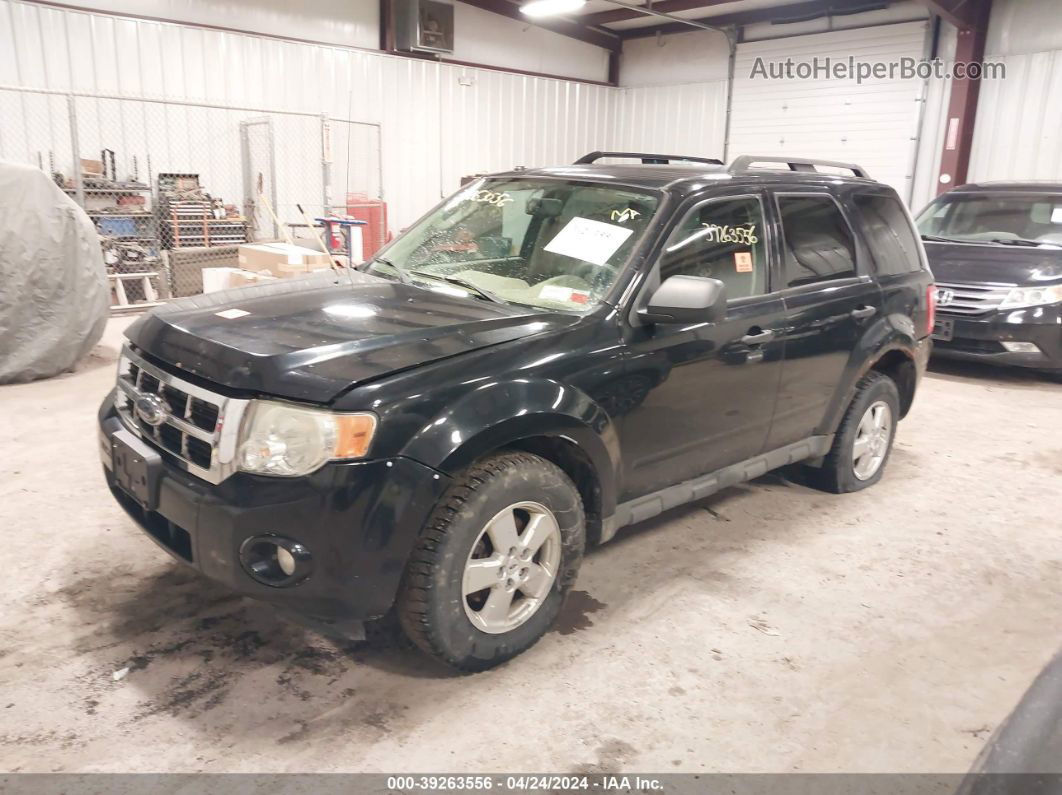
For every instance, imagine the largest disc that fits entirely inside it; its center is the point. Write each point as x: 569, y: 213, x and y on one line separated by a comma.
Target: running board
x: 650, y: 505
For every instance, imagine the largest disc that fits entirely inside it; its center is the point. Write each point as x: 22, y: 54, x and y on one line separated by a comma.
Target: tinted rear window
x: 818, y: 242
x: 889, y: 233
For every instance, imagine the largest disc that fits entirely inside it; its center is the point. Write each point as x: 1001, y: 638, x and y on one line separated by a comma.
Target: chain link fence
x: 176, y: 188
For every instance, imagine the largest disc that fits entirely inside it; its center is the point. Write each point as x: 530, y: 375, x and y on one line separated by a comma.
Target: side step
x: 646, y: 507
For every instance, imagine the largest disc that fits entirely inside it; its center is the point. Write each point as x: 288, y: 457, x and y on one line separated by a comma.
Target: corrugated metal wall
x: 1019, y: 121
x: 676, y: 119
x: 438, y: 122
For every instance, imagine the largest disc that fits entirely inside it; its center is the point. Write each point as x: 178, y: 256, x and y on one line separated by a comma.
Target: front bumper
x: 359, y: 520
x: 981, y: 338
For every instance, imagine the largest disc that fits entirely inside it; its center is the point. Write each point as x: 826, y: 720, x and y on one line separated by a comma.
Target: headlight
x: 1032, y: 296
x: 281, y: 439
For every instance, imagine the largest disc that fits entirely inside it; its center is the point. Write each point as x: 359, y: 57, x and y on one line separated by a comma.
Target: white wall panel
x: 488, y: 38
x: 353, y: 23
x: 697, y: 57
x: 1018, y: 134
x: 685, y: 119
x: 874, y: 124
x: 438, y: 121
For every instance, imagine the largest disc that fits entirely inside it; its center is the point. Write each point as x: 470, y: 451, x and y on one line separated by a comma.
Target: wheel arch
x: 557, y: 422
x: 567, y: 454
x: 899, y: 365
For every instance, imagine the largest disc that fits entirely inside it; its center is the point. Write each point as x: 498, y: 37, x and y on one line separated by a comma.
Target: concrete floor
x: 769, y: 628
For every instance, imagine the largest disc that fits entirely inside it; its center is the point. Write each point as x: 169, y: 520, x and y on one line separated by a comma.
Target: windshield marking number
x: 731, y: 234
x: 492, y: 198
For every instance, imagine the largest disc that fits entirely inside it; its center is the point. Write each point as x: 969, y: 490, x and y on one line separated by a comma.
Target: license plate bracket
x: 136, y: 468
x: 943, y: 329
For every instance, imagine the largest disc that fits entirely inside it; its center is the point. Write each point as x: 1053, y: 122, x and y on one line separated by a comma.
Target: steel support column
x: 962, y: 104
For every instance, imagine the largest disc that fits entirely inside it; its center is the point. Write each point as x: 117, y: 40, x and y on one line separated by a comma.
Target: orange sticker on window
x: 743, y: 261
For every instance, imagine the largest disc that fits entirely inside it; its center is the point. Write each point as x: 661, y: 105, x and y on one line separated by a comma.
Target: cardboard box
x: 281, y: 259
x: 215, y: 279
x: 91, y: 168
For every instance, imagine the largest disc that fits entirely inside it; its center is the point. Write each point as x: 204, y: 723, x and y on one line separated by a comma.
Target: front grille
x: 199, y: 427
x: 968, y: 300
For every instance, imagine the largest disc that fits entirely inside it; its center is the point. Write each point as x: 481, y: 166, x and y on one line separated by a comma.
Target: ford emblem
x: 151, y: 409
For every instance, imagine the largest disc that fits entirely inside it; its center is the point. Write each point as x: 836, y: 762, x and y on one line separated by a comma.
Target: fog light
x: 1021, y: 347
x: 286, y: 561
x: 275, y: 561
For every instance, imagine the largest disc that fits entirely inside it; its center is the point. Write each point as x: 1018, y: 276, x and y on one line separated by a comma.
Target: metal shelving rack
x: 128, y: 236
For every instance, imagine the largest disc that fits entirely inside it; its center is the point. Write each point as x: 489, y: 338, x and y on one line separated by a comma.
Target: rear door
x: 829, y: 298
x: 897, y: 255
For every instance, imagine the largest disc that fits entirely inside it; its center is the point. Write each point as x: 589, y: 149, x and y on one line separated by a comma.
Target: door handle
x: 758, y: 338
x: 861, y: 312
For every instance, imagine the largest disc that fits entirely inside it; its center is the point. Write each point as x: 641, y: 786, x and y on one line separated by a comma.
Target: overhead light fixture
x: 550, y: 8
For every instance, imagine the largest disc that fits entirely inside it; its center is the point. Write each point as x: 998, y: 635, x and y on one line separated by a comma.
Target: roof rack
x: 647, y: 158
x: 742, y: 164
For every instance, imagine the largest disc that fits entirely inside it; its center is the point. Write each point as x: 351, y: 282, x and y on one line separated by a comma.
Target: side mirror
x: 687, y: 299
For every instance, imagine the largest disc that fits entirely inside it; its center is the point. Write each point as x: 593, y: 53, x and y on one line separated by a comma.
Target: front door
x: 710, y: 386
x: 830, y: 299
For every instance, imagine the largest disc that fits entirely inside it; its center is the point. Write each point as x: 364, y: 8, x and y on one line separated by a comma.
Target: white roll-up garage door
x: 873, y: 123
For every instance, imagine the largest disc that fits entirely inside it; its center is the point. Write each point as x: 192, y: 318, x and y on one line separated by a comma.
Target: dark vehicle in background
x: 545, y: 357
x: 996, y: 252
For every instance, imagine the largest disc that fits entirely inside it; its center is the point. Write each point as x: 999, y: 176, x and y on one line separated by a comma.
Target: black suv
x: 545, y: 357
x: 996, y: 250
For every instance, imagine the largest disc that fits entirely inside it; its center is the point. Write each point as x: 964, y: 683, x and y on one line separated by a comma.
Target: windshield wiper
x: 939, y: 239
x: 1016, y: 241
x: 464, y: 283
x: 399, y: 271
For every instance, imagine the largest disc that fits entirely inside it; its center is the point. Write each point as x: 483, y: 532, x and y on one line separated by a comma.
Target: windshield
x: 557, y: 245
x: 995, y: 218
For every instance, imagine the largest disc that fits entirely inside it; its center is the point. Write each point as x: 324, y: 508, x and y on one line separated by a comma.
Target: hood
x: 1019, y: 265
x: 312, y: 339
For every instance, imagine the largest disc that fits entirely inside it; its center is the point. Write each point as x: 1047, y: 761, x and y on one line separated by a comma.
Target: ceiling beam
x: 566, y: 27
x: 963, y: 14
x: 666, y: 6
x: 796, y: 12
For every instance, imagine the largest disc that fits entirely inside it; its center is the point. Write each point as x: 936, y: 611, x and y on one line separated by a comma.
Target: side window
x: 721, y: 239
x: 892, y: 241
x: 818, y: 242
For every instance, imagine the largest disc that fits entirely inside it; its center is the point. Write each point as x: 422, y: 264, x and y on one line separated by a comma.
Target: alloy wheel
x: 512, y: 567
x: 872, y: 440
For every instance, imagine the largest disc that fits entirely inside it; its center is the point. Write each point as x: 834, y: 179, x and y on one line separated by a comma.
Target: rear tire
x: 494, y: 563
x: 863, y: 442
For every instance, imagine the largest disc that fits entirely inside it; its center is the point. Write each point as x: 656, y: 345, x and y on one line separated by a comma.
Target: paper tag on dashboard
x: 590, y: 241
x: 232, y: 314
x: 553, y: 292
x: 1056, y: 215
x: 743, y: 261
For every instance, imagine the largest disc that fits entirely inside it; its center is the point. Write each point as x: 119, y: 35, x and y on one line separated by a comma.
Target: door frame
x: 862, y: 255
x: 651, y: 280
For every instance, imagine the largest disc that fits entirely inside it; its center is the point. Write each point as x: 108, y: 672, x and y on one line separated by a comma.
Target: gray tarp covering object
x: 53, y: 283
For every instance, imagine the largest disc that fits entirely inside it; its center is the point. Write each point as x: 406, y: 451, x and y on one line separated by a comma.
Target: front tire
x: 863, y: 442
x: 498, y: 555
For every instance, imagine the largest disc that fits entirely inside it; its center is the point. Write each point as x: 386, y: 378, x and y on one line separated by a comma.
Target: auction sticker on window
x: 590, y: 241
